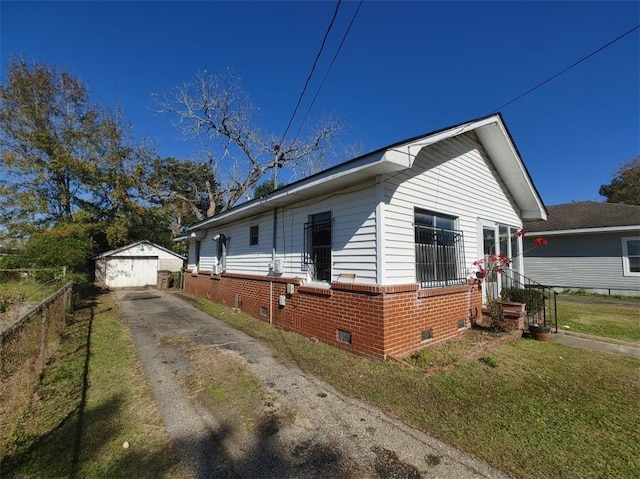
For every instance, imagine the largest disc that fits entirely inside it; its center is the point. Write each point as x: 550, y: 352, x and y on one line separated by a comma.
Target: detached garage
x: 135, y: 265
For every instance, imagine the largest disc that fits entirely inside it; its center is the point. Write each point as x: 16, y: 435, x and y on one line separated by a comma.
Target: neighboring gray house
x: 591, y: 245
x: 135, y: 265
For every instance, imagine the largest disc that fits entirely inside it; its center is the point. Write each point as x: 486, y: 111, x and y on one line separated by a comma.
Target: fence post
x: 43, y: 337
x: 64, y: 271
x: 2, y: 355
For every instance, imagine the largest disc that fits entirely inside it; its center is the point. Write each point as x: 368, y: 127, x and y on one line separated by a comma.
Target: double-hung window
x: 631, y: 256
x: 317, y: 237
x: 254, y: 234
x: 439, y: 250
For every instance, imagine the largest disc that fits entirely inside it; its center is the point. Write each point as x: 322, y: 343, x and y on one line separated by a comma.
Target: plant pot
x: 541, y: 333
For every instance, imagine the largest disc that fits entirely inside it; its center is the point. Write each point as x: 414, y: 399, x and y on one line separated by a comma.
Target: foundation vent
x: 427, y: 334
x: 344, y: 336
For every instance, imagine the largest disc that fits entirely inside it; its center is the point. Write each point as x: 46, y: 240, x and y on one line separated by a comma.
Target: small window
x: 254, y: 232
x: 631, y: 256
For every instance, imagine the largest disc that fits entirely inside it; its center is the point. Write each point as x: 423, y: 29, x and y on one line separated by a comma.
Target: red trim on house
x: 382, y: 320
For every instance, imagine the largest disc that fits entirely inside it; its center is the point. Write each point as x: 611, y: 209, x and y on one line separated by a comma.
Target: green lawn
x: 92, y: 398
x: 600, y: 316
x: 533, y: 409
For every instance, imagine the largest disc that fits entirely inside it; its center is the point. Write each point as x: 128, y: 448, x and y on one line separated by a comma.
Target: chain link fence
x: 29, y: 342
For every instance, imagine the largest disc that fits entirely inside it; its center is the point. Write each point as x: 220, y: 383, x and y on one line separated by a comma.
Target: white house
x: 374, y: 255
x: 135, y: 265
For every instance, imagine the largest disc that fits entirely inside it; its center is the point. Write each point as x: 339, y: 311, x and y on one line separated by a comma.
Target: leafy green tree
x: 67, y: 244
x: 185, y: 189
x: 265, y: 188
x: 625, y: 186
x: 50, y: 138
x: 72, y: 174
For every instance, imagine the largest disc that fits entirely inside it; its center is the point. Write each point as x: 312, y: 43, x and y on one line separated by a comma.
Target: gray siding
x: 590, y: 261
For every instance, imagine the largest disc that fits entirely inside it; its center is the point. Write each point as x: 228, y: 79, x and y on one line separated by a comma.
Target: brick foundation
x: 382, y: 320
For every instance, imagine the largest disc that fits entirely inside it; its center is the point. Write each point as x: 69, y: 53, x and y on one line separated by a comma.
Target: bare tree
x: 215, y: 108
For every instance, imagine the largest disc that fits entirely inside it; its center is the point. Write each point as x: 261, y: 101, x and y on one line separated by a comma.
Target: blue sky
x: 406, y: 68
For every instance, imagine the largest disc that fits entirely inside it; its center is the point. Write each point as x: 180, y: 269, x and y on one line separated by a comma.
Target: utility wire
x: 567, y: 69
x: 344, y: 38
x: 324, y: 40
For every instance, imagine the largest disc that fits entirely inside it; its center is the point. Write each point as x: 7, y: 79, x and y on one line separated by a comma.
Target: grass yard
x: 13, y: 293
x: 533, y: 409
x: 92, y: 398
x: 600, y: 316
x: 28, y: 290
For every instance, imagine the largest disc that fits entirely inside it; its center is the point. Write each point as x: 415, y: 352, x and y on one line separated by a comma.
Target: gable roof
x: 583, y: 216
x: 133, y: 245
x: 490, y: 130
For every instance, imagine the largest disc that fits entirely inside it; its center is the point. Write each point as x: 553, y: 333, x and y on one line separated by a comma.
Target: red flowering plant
x: 493, y: 265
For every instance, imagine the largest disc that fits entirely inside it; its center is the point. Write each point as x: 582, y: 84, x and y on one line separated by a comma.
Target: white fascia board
x: 120, y: 249
x: 604, y: 229
x: 507, y: 161
x: 328, y: 181
x: 412, y: 148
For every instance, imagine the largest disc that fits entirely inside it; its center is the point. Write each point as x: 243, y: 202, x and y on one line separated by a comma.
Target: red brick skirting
x: 377, y: 320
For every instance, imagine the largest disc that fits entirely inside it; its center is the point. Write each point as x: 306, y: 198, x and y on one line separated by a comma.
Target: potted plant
x: 540, y: 333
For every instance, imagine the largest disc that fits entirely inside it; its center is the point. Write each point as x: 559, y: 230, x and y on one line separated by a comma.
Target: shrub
x: 533, y: 298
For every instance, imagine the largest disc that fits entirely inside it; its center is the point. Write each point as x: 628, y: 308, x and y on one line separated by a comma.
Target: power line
x: 567, y: 69
x: 328, y: 70
x: 324, y: 40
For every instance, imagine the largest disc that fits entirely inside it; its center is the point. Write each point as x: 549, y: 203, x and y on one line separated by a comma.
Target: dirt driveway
x: 311, y: 431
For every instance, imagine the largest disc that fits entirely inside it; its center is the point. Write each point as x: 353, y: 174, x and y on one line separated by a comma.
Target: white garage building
x: 135, y: 265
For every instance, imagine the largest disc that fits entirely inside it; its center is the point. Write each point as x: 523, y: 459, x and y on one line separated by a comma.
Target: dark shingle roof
x: 586, y: 214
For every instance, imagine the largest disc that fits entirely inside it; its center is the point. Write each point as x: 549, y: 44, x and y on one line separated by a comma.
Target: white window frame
x: 626, y: 268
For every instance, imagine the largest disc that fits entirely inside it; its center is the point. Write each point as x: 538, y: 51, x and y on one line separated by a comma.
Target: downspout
x: 273, y: 261
x: 275, y: 237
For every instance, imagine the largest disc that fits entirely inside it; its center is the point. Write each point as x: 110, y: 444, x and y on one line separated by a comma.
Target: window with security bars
x: 317, y: 247
x: 439, y: 250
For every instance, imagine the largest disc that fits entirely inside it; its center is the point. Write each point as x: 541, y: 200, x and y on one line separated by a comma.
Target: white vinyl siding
x: 243, y: 257
x: 353, y: 238
x: 589, y: 261
x: 353, y: 242
x: 455, y: 178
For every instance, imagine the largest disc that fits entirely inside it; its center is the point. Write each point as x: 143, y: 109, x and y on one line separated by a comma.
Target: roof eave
x: 603, y: 229
x: 497, y: 141
x: 491, y: 131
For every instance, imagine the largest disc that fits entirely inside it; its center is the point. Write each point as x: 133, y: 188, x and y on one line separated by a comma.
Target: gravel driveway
x: 330, y: 436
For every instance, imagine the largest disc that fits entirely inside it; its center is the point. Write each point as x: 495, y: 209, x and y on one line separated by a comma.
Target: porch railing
x: 540, y: 300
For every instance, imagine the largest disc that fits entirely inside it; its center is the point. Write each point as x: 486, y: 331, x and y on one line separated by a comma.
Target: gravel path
x: 331, y: 436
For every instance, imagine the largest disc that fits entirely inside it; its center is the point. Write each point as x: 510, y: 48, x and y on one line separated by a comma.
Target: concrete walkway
x: 595, y: 343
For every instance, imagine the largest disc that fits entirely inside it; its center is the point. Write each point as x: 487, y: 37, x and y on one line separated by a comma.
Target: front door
x: 491, y: 284
x: 498, y: 238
